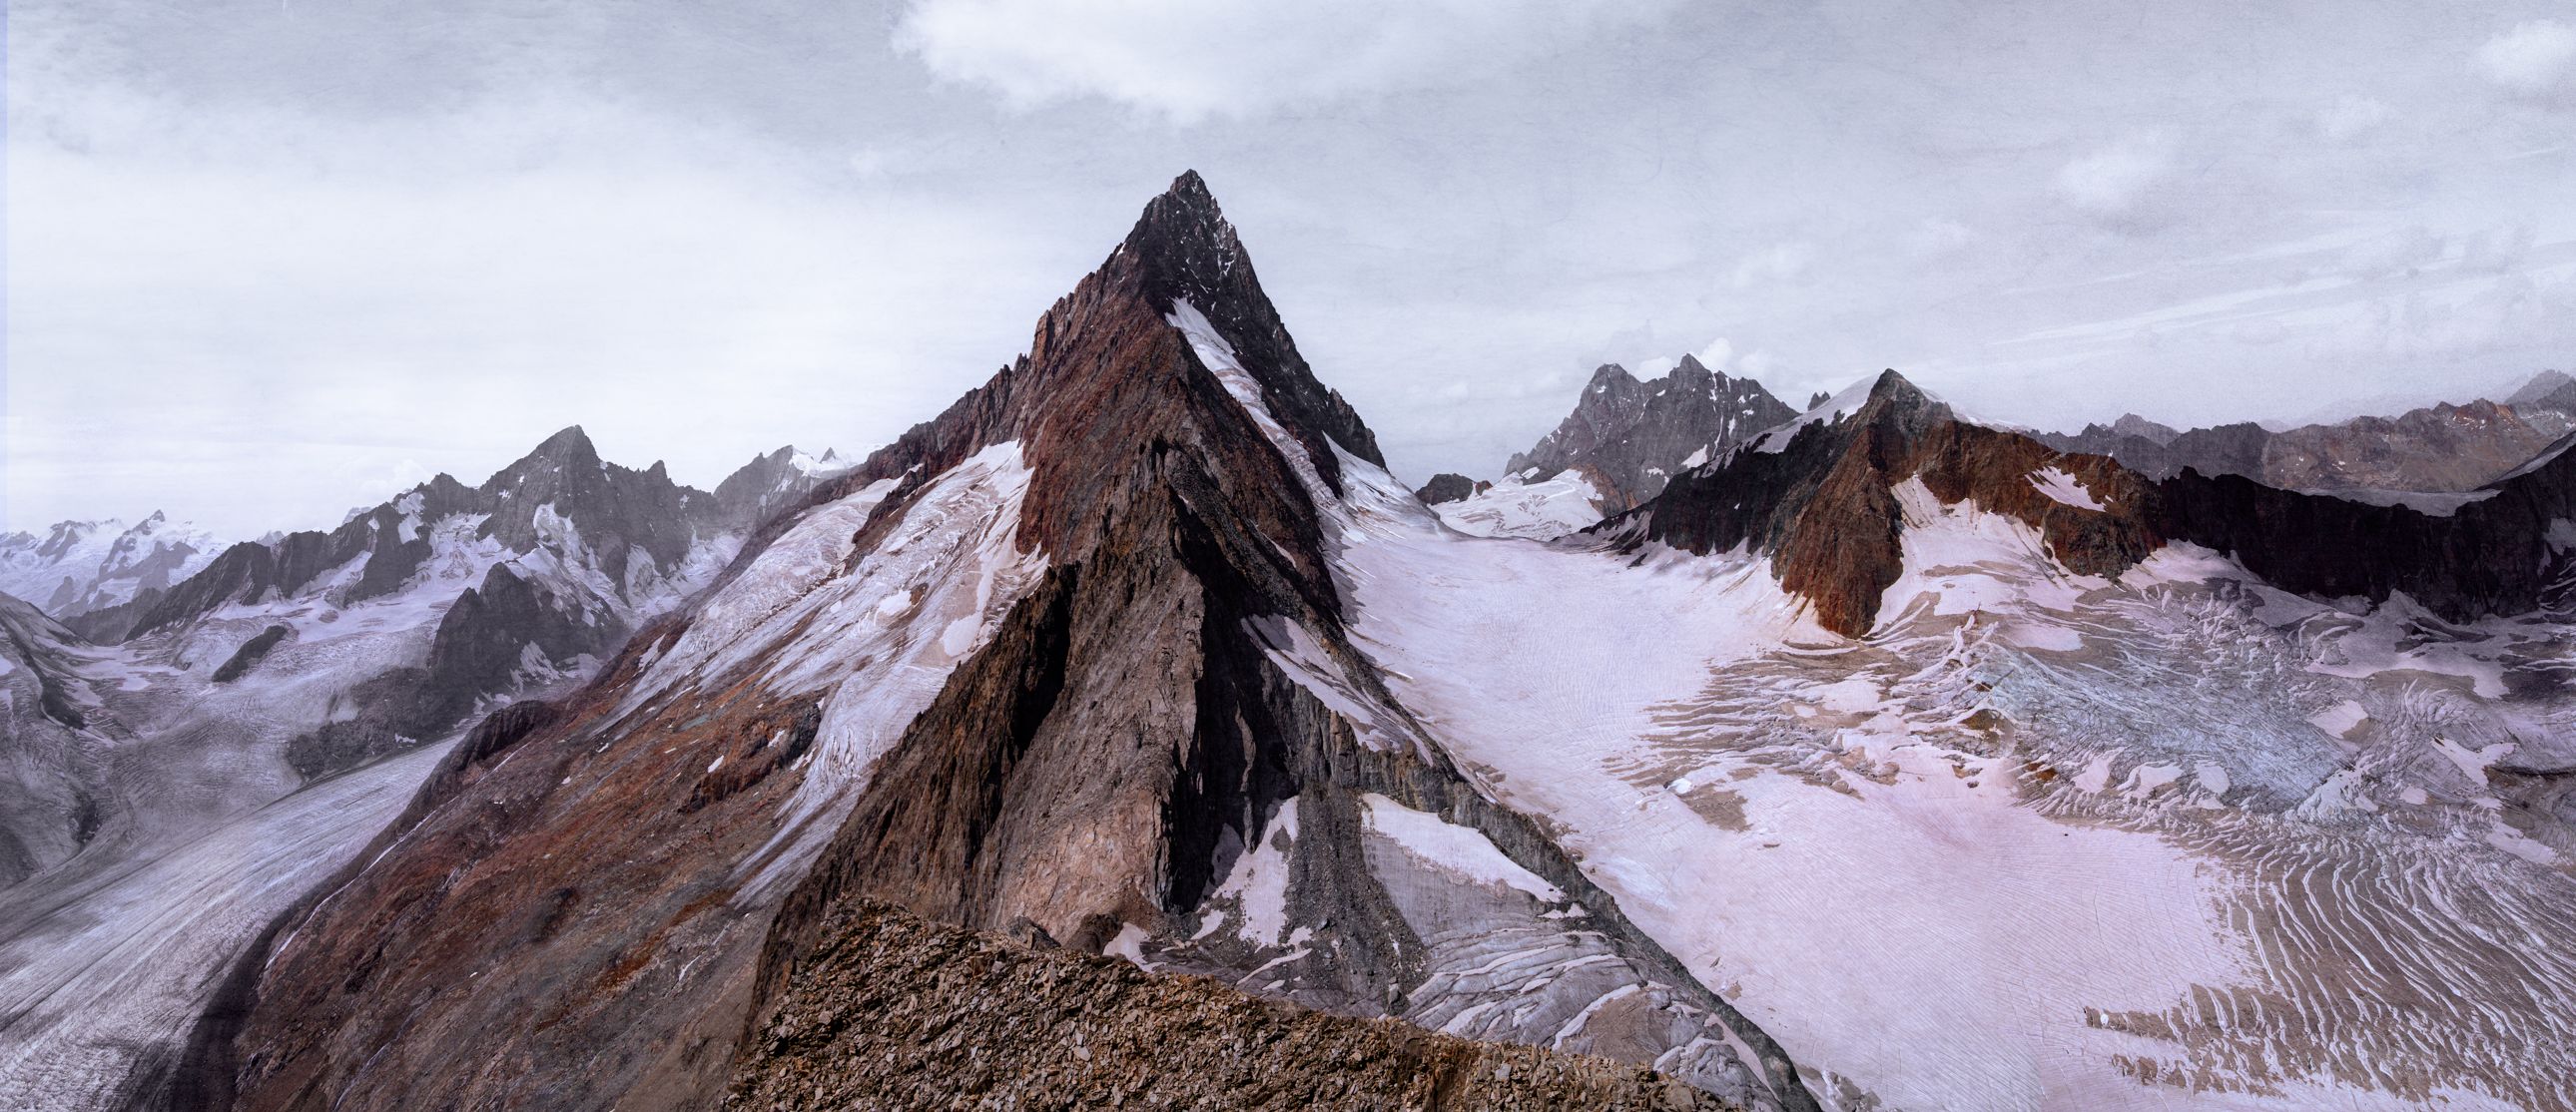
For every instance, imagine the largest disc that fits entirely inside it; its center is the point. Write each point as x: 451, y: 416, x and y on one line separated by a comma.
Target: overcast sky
x: 269, y: 261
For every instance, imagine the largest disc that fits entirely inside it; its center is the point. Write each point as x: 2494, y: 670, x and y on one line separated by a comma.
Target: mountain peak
x: 1191, y: 189
x: 2546, y: 388
x: 1182, y: 249
x: 1185, y: 248
x: 1632, y: 436
x: 1608, y: 373
x: 567, y: 442
x: 2130, y: 424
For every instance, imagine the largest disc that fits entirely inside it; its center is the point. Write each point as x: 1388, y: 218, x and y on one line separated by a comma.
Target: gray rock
x: 1637, y: 435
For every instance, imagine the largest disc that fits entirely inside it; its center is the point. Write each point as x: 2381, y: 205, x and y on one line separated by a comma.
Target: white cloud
x: 1192, y: 59
x: 2351, y: 115
x: 1780, y: 262
x: 1718, y: 355
x: 393, y: 480
x: 2532, y: 58
x: 2114, y: 180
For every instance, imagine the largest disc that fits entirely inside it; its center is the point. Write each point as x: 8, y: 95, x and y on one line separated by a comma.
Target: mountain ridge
x: 1817, y: 495
x: 1065, y: 662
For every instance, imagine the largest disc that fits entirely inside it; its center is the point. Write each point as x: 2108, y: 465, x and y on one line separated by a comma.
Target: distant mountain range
x: 1626, y: 439
x: 81, y: 566
x: 2440, y: 448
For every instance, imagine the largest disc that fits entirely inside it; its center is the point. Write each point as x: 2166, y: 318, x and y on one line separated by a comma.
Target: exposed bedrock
x: 1822, y: 505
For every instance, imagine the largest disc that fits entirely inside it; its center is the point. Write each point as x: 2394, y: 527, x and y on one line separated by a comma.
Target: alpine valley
x: 1127, y: 735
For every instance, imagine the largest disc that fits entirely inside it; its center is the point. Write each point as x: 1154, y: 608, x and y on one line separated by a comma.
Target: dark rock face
x: 482, y: 645
x: 575, y: 927
x: 1031, y: 1026
x: 483, y: 638
x: 250, y: 654
x: 1638, y: 435
x: 1184, y: 249
x: 2225, y: 449
x: 614, y: 509
x: 1822, y: 508
x: 380, y: 714
x: 2501, y: 554
x: 1449, y: 487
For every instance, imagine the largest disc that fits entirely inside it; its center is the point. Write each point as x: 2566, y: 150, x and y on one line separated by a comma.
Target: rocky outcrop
x: 1822, y: 506
x: 485, y: 637
x: 2500, y: 553
x: 1450, y: 487
x: 1823, y: 503
x: 894, y: 1011
x: 250, y: 654
x: 1638, y: 435
x: 604, y: 915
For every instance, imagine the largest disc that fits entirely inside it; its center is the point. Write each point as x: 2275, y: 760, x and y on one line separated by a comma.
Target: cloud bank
x: 1194, y: 59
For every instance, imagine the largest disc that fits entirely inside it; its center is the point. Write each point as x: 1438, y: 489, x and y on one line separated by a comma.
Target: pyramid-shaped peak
x: 1893, y: 394
x: 1184, y: 217
x: 567, y: 450
x: 1182, y: 248
x: 568, y: 441
x: 1191, y: 189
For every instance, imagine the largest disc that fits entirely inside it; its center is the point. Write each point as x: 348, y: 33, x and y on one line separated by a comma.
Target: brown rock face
x: 1824, y: 506
x: 893, y: 1011
x: 580, y: 923
x: 1450, y: 487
